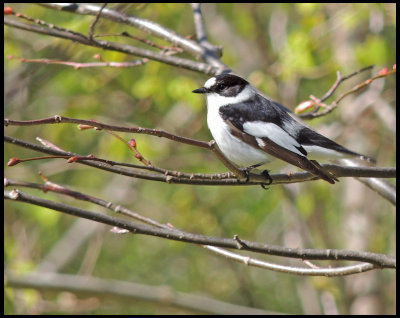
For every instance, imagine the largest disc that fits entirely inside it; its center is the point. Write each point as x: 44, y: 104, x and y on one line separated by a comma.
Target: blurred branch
x: 339, y: 80
x: 317, y: 103
x: 151, y: 27
x: 382, y: 187
x: 201, y: 31
x: 77, y: 65
x: 113, y: 46
x: 379, y: 260
x: 162, y: 295
x: 91, y: 30
x: 69, y: 246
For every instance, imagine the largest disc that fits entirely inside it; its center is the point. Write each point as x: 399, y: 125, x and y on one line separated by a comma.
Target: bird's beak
x: 201, y: 90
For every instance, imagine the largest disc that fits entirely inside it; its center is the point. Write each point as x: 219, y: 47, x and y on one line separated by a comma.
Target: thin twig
x: 341, y: 79
x: 151, y: 27
x: 96, y: 19
x: 148, y: 42
x: 329, y: 108
x: 77, y: 65
x: 139, y: 130
x: 327, y: 272
x: 42, y: 22
x: 113, y: 46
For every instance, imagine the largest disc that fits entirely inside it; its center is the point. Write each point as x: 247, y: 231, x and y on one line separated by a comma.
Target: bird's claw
x: 246, y: 172
x: 266, y: 175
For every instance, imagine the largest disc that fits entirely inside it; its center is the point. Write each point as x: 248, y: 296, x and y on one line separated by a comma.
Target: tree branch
x: 382, y: 187
x: 380, y: 260
x: 113, y: 46
x: 177, y: 177
x: 201, y: 31
x: 249, y: 261
x: 162, y: 295
x: 318, y: 103
x: 148, y: 26
x: 327, y: 272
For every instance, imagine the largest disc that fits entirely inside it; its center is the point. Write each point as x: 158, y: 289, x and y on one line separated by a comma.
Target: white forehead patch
x: 210, y: 82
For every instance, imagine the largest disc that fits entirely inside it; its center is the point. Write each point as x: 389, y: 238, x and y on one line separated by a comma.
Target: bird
x: 252, y: 130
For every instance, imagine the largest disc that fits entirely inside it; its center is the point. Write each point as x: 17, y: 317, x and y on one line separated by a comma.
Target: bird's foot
x: 246, y: 173
x: 247, y: 170
x: 265, y: 174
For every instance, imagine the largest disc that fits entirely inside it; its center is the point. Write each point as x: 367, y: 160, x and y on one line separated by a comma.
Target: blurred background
x: 288, y: 51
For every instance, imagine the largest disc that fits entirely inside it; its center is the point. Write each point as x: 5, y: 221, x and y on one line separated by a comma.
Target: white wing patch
x: 273, y: 132
x: 321, y: 153
x: 260, y: 142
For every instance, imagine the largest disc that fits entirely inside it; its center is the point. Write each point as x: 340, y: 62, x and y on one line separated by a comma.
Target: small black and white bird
x: 251, y: 130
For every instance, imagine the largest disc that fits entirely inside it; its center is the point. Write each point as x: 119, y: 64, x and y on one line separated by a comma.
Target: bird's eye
x: 221, y: 87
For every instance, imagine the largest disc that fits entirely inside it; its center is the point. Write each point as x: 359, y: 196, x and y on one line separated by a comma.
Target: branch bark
x: 114, y: 46
x: 150, y: 27
x: 224, y: 179
x: 379, y: 260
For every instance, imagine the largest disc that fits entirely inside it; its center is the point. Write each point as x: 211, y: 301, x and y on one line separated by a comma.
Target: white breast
x: 233, y: 148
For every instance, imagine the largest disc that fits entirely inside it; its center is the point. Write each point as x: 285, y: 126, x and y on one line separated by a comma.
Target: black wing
x: 262, y: 110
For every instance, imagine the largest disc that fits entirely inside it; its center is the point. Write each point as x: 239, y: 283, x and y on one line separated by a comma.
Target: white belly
x: 233, y: 148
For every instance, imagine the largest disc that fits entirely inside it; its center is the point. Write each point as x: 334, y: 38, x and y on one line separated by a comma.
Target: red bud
x: 72, y: 159
x: 304, y: 106
x: 8, y: 10
x: 84, y: 127
x: 383, y: 71
x: 132, y: 142
x: 13, y: 161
